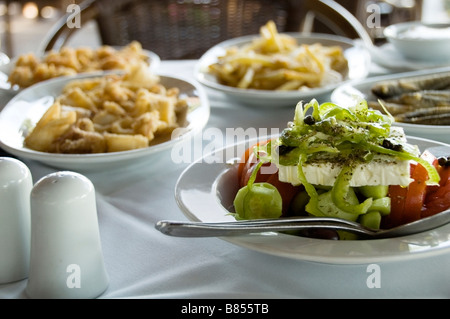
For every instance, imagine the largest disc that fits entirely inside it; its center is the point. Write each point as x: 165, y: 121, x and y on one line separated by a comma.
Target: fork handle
x: 198, y: 229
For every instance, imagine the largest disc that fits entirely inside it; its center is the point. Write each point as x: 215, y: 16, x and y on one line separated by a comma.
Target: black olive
x: 444, y: 161
x: 284, y: 149
x: 397, y: 147
x: 389, y: 145
x: 309, y: 120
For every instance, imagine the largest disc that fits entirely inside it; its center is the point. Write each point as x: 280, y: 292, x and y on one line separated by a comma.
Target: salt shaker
x: 66, y: 255
x: 15, y: 187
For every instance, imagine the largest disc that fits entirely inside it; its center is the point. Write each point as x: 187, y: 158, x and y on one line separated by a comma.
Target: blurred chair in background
x: 334, y: 17
x: 187, y: 29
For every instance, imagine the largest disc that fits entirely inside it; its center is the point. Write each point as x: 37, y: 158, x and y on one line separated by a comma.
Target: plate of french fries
x: 100, y: 120
x: 279, y: 69
x: 28, y: 69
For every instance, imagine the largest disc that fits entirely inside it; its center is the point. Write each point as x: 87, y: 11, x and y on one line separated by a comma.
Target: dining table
x: 143, y: 263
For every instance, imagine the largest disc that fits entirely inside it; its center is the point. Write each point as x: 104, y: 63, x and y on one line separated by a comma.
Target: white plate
x: 5, y: 70
x: 209, y: 185
x: 31, y: 103
x: 345, y: 95
x: 358, y: 59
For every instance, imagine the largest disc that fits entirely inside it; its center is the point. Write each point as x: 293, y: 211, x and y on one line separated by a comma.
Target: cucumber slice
x: 374, y: 191
x: 329, y: 209
x: 371, y: 220
x: 381, y: 205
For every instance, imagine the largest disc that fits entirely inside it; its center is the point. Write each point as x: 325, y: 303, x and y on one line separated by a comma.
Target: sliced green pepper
x: 340, y: 190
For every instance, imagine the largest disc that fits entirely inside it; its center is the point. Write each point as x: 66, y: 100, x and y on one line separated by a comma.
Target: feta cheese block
x: 381, y: 170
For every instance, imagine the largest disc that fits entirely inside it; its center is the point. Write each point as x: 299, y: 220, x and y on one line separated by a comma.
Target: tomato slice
x: 438, y: 199
x: 416, y: 194
x: 407, y: 202
x: 398, y: 196
x: 260, y: 175
x: 244, y: 160
x: 247, y: 163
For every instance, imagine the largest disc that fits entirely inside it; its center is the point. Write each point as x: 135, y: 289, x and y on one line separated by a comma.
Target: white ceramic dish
x: 420, y: 42
x: 358, y: 59
x: 5, y: 70
x: 388, y: 57
x: 31, y: 103
x: 346, y: 93
x: 209, y: 185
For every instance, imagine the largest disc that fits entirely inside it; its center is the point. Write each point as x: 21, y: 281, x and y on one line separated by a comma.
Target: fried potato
x: 53, y: 123
x: 123, y: 142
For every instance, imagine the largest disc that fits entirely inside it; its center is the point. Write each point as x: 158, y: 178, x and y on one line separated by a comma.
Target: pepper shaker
x: 15, y: 187
x: 66, y: 255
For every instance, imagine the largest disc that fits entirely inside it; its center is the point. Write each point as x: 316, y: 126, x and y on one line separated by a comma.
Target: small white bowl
x: 421, y: 42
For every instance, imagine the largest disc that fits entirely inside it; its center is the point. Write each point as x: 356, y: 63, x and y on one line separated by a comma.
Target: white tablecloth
x: 143, y: 263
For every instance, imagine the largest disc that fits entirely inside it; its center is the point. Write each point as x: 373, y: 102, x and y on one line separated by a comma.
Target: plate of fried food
x: 29, y: 69
x: 419, y: 101
x: 93, y: 121
x: 278, y: 69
